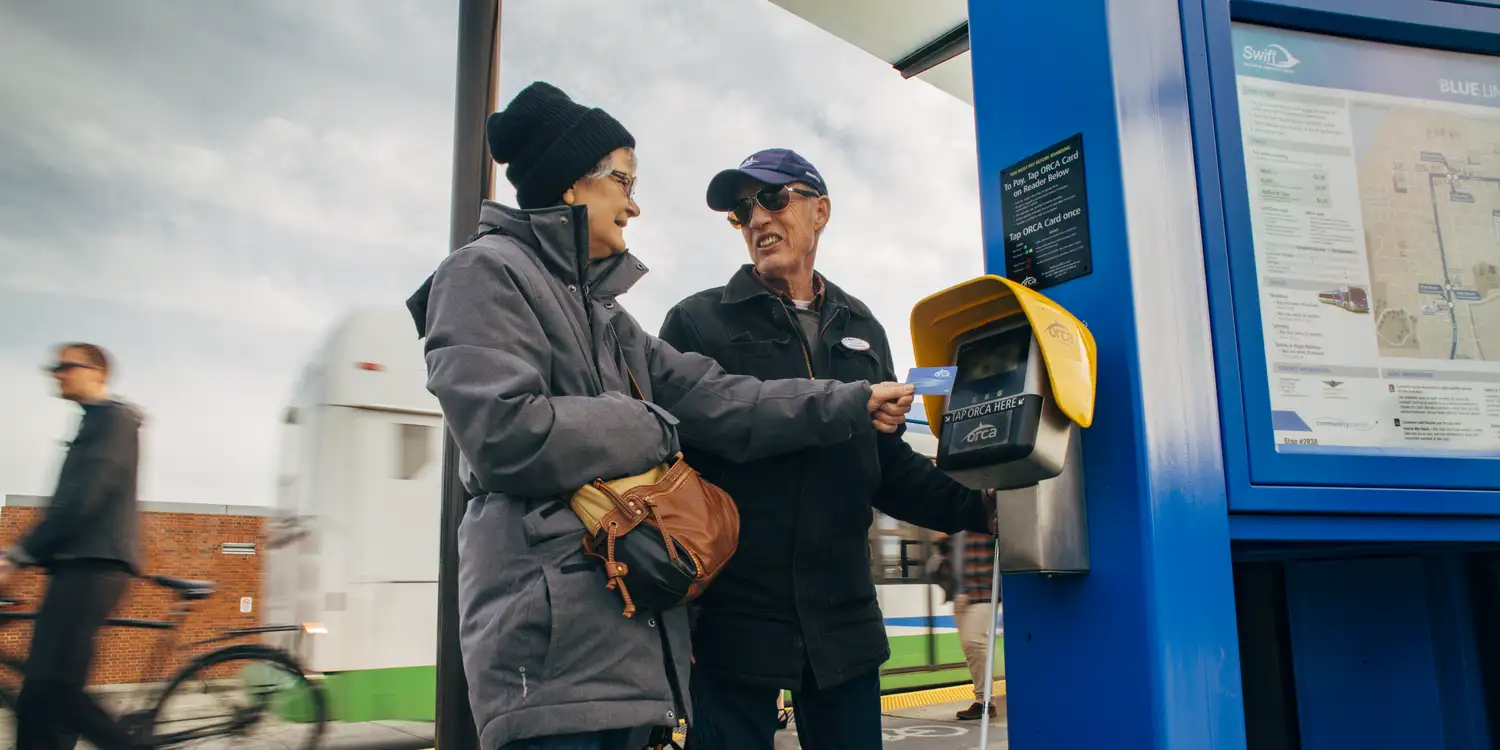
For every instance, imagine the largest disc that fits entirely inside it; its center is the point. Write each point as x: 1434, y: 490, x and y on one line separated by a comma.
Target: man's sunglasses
x: 772, y: 199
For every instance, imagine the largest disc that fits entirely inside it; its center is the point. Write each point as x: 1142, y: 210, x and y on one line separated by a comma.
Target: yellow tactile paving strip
x: 920, y: 698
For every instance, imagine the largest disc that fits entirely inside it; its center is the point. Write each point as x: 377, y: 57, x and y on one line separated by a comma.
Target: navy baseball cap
x: 773, y: 166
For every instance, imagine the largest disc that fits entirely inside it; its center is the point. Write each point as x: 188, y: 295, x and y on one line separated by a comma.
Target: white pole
x: 989, y: 656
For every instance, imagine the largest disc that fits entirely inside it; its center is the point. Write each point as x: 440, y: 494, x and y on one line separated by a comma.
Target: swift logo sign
x: 1270, y: 57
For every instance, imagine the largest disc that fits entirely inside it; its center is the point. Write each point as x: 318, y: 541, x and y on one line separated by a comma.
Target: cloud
x: 274, y: 160
x: 703, y: 85
x: 206, y: 187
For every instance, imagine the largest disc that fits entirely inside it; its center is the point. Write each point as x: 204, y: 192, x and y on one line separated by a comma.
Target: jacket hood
x: 125, y: 409
x: 558, y: 237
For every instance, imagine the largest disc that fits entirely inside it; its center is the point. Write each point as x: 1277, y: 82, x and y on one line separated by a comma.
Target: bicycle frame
x: 140, y: 705
x: 157, y: 660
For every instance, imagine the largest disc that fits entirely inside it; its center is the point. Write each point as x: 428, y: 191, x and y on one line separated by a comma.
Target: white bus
x: 354, y: 544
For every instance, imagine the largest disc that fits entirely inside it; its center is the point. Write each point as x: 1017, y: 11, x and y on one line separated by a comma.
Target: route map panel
x: 1374, y: 186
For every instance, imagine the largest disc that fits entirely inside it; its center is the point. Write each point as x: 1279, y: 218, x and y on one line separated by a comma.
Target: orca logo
x: 1269, y: 57
x: 942, y: 374
x: 1060, y: 332
x: 747, y: 162
x: 982, y: 432
x: 1028, y: 281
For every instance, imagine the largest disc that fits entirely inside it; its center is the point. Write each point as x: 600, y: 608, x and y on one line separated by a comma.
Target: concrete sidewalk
x: 381, y: 735
x: 928, y: 727
x: 378, y: 735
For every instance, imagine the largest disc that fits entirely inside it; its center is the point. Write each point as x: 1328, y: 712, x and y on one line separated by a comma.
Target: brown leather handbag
x: 663, y: 535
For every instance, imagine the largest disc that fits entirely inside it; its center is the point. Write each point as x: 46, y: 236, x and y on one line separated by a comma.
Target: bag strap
x: 634, y: 386
x: 635, y: 389
x: 672, y: 683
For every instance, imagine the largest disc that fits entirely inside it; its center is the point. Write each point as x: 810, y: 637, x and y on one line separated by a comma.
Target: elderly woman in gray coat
x: 531, y: 357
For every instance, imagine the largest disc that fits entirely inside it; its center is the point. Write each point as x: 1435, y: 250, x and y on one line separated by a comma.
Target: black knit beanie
x: 550, y: 141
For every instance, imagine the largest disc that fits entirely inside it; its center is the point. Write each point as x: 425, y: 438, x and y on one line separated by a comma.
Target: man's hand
x: 889, y: 403
x: 7, y: 571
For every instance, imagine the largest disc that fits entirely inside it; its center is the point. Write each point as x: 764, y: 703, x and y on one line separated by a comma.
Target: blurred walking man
x: 88, y: 541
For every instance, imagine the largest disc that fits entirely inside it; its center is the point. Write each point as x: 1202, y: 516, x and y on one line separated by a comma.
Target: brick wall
x: 178, y: 543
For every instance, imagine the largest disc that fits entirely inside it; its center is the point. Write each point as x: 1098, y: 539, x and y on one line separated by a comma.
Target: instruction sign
x: 1046, y: 216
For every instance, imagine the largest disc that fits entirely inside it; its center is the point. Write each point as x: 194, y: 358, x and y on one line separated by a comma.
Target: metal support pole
x: 478, y: 78
x: 989, y: 651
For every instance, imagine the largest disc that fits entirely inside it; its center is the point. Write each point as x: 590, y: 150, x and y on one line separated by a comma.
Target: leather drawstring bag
x: 663, y: 535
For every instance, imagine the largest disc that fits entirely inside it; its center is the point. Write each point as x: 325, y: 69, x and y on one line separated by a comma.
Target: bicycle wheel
x: 241, y: 695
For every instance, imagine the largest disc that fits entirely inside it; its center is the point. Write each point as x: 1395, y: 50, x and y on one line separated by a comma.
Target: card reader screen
x: 989, y: 361
x: 990, y: 419
x: 991, y: 368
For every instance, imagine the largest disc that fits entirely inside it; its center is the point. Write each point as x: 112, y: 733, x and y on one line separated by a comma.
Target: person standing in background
x: 972, y: 598
x: 88, y: 541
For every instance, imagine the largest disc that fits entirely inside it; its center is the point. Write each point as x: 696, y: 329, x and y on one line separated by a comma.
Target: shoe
x: 974, y: 712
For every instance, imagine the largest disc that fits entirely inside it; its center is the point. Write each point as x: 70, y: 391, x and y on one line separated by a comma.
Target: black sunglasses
x: 772, y: 199
x: 62, y: 367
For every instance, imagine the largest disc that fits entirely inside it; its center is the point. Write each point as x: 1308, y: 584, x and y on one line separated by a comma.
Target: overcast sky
x: 204, y: 188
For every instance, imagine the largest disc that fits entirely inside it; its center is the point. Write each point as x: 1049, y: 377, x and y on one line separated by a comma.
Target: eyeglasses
x: 772, y: 199
x: 626, y: 181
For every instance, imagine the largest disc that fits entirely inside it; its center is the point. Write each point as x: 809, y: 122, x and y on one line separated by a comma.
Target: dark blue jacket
x: 93, y: 514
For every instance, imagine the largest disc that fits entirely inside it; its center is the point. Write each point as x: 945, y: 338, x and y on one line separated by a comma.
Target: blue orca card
x: 932, y: 381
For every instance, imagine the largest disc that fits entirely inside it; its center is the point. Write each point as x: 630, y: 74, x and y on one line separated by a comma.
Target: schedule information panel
x: 1374, y: 186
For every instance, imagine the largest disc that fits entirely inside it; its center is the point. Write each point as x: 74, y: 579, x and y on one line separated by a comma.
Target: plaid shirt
x: 978, y: 565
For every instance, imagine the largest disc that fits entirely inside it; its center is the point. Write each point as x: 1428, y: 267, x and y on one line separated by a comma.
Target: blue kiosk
x: 1288, y: 256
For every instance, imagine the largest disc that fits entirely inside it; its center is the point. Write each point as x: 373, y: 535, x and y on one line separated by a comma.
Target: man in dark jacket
x: 88, y: 541
x: 795, y: 608
x: 534, y: 362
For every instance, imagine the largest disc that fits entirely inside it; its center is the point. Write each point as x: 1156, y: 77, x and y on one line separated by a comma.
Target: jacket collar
x: 555, y: 236
x: 558, y: 236
x: 746, y: 285
x: 817, y: 284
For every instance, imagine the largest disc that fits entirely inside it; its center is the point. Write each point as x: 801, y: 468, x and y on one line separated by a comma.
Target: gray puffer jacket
x: 527, y: 352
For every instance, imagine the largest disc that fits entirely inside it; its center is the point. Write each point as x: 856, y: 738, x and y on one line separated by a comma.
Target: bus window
x: 898, y: 551
x: 414, y: 449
